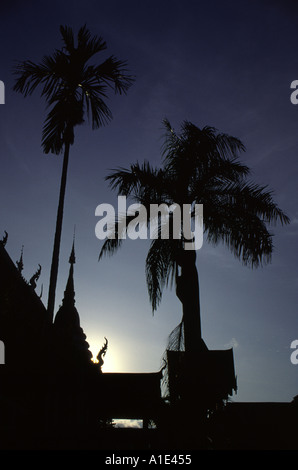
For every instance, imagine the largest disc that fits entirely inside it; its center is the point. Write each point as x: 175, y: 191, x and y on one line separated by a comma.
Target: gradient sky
x: 227, y: 64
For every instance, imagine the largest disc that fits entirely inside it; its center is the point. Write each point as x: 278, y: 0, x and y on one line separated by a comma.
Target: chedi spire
x: 69, y: 293
x: 70, y: 339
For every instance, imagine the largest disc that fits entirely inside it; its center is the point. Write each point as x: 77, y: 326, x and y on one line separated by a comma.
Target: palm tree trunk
x: 189, y: 295
x: 57, y: 239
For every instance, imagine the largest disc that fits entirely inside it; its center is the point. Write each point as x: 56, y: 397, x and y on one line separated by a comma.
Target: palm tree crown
x: 199, y: 166
x: 71, y: 86
x: 72, y: 89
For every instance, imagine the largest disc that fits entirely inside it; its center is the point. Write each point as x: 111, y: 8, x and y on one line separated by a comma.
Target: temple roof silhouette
x: 49, y: 379
x: 23, y: 317
x: 53, y: 395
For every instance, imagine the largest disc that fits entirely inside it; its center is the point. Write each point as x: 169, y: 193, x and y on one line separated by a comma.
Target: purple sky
x: 224, y: 64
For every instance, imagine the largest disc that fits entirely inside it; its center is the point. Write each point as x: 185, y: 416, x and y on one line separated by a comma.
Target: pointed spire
x: 69, y: 293
x: 67, y: 315
x: 20, y: 263
x: 72, y: 258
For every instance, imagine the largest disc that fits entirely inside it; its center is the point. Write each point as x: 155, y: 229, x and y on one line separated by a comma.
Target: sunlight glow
x: 111, y: 359
x: 110, y: 363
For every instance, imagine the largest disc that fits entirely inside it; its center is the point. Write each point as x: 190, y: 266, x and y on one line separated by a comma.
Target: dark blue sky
x: 224, y: 64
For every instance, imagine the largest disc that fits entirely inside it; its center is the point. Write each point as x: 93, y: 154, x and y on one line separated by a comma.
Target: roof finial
x: 102, y: 353
x: 4, y: 239
x: 20, y: 263
x: 72, y: 258
x: 35, y: 277
x: 69, y: 293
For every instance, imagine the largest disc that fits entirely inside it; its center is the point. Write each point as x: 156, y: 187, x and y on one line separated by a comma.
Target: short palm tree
x: 199, y: 166
x: 72, y: 88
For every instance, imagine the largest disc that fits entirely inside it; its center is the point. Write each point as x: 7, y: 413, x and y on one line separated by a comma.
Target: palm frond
x: 229, y: 146
x: 88, y: 45
x: 71, y: 86
x: 119, y: 230
x: 96, y: 109
x: 197, y: 160
x: 251, y: 242
x: 110, y: 247
x: 161, y: 266
x: 257, y: 199
x: 171, y: 140
x: 53, y: 133
x: 113, y: 72
x: 176, y: 338
x: 238, y: 214
x: 30, y: 76
x: 63, y: 116
x: 68, y: 38
x: 141, y: 182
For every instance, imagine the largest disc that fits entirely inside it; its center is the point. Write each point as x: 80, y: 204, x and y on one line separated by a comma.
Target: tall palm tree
x: 199, y: 166
x: 72, y: 88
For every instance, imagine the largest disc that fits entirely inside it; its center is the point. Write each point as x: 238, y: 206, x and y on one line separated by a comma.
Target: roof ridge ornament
x: 35, y: 277
x: 102, y: 353
x: 20, y: 263
x: 4, y: 239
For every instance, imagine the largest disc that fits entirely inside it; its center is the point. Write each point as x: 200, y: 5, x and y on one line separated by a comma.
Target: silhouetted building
x: 51, y: 392
x: 52, y: 395
x: 255, y: 426
x: 208, y: 376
